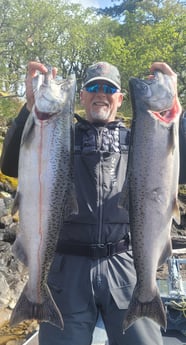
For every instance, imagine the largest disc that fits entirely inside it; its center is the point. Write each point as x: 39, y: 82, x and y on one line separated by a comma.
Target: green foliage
x: 70, y: 37
x: 119, y: 9
x: 9, y: 107
x: 156, y: 31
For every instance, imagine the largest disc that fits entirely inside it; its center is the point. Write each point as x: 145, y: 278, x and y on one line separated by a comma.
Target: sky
x: 95, y: 3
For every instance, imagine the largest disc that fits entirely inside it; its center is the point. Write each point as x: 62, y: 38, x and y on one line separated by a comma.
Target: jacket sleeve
x: 10, y: 152
x: 182, y: 141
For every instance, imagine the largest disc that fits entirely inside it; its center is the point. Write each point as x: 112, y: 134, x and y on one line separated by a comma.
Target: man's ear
x: 120, y: 100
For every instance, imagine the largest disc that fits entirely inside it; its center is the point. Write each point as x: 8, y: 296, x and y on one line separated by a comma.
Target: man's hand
x: 166, y: 69
x: 33, y: 68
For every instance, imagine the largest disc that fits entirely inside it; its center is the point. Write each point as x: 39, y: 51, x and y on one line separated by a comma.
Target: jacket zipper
x: 99, y: 279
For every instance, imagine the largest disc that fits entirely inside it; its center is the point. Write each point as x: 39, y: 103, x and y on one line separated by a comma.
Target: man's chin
x: 100, y: 116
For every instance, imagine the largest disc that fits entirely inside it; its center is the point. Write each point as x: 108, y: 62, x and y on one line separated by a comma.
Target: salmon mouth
x: 169, y: 115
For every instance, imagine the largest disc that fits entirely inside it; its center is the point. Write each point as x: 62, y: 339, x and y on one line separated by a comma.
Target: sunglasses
x: 108, y: 89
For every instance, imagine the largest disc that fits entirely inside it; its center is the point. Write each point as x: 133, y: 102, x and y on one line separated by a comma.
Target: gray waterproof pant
x: 82, y: 288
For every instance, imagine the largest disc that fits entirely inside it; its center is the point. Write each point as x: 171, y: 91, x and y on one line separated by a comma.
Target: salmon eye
x: 144, y: 87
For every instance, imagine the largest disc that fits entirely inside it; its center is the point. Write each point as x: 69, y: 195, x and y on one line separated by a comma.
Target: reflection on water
x: 163, y: 287
x: 165, y: 290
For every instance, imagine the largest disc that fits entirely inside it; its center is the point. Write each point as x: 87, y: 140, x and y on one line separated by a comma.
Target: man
x: 93, y: 268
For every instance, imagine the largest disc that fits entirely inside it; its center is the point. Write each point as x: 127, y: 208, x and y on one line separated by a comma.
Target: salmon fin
x: 16, y: 203
x: 45, y: 312
x: 19, y: 251
x: 153, y: 310
x: 28, y: 128
x: 167, y: 252
x: 176, y: 212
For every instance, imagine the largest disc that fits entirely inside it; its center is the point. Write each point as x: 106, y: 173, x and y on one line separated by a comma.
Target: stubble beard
x: 102, y: 115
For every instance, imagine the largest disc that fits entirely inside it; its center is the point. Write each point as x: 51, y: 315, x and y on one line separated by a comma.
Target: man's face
x: 101, y: 106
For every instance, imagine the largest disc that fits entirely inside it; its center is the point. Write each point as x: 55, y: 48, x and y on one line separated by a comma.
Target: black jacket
x: 101, y: 153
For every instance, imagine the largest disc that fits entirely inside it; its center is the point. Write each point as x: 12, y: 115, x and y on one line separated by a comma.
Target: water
x: 99, y: 336
x: 166, y: 292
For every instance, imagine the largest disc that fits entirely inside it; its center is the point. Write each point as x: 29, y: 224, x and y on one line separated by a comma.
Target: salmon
x: 151, y: 189
x: 45, y: 194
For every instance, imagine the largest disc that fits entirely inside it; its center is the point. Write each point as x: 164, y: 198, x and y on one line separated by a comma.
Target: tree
x: 118, y: 10
x: 71, y: 38
x: 64, y: 35
x: 156, y: 31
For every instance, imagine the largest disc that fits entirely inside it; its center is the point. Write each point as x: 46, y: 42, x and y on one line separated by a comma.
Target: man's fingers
x: 54, y: 72
x: 34, y: 66
x: 162, y: 66
x: 32, y: 69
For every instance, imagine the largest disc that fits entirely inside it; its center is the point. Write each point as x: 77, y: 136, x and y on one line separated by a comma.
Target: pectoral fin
x: 28, y: 128
x: 15, y: 206
x: 176, y: 212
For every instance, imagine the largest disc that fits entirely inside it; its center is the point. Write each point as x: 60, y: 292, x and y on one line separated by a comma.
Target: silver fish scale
x: 61, y: 184
x: 46, y: 189
x: 152, y: 178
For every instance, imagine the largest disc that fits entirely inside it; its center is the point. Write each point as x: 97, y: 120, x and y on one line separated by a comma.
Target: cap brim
x: 102, y: 78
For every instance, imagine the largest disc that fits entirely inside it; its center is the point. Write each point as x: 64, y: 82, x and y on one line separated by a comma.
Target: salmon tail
x: 47, y: 311
x: 153, y: 310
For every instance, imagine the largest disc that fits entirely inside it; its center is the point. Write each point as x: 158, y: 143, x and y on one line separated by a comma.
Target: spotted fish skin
x: 46, y: 193
x: 151, y: 188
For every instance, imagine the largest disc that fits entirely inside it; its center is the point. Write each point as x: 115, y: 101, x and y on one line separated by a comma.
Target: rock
x: 6, y: 220
x: 5, y: 293
x: 5, y: 195
x: 3, y: 208
x: 15, y: 342
x: 8, y: 184
x: 5, y: 255
x: 4, y: 315
x: 8, y: 235
x: 13, y: 276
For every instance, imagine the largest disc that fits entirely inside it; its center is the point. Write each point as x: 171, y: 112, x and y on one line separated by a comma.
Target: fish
x: 45, y: 193
x: 151, y: 189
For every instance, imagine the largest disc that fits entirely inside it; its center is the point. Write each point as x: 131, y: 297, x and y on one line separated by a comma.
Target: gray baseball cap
x: 103, y: 71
